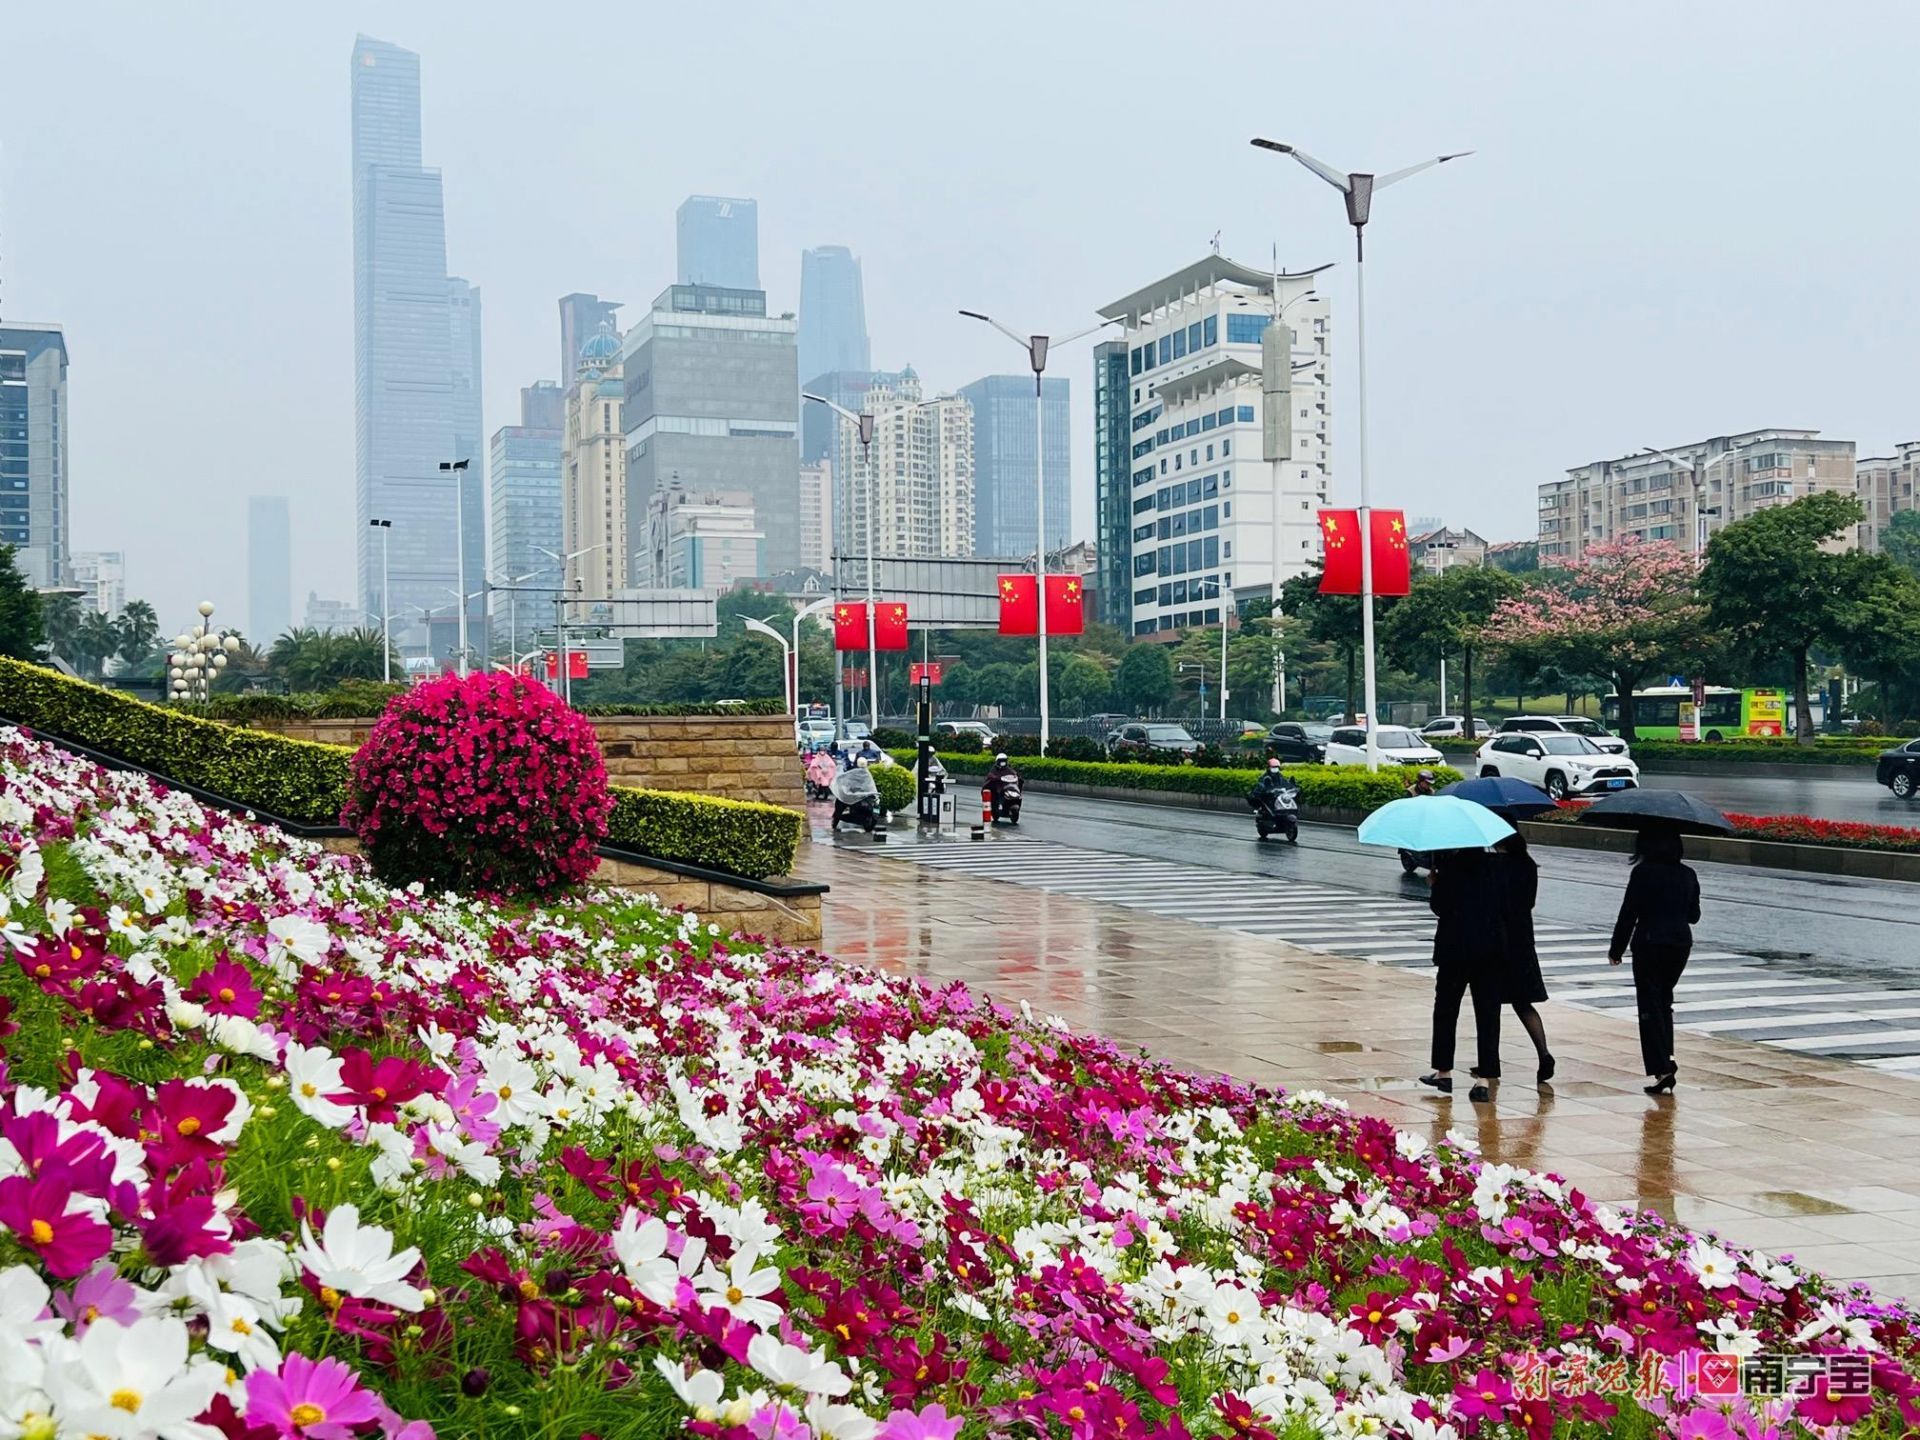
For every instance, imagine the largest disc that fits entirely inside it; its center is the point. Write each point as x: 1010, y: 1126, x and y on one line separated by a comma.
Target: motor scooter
x: 1276, y: 811
x: 1003, y: 796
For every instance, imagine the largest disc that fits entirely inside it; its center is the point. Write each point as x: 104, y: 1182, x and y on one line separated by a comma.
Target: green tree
x: 1334, y: 621
x: 1084, y: 685
x: 23, y: 634
x: 998, y: 684
x: 139, y: 632
x: 61, y: 616
x: 309, y: 659
x: 1776, y: 586
x: 1144, y: 681
x: 94, y: 641
x: 1900, y: 541
x: 1444, y: 615
x: 1880, y: 630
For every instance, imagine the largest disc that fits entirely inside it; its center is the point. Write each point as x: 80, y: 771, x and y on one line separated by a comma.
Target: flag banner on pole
x: 890, y: 626
x: 1340, y: 543
x: 928, y: 671
x: 1066, y: 605
x: 1019, y: 605
x: 576, y: 664
x: 1392, y: 560
x: 850, y: 625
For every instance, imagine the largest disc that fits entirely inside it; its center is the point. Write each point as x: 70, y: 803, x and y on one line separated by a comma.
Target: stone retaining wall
x: 737, y: 757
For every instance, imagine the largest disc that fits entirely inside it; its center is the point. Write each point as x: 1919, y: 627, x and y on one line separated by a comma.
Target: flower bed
x: 1827, y: 750
x: 1789, y: 829
x: 284, y: 1152
x: 363, y: 699
x: 1332, y: 787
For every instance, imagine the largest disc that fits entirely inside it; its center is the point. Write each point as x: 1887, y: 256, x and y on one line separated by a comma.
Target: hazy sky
x: 1683, y: 219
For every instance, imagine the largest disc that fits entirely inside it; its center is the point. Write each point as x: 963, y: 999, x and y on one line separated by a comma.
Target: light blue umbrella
x: 1433, y: 822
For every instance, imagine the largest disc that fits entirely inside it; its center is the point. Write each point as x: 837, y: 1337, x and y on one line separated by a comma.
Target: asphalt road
x: 1862, y: 931
x: 1855, y: 797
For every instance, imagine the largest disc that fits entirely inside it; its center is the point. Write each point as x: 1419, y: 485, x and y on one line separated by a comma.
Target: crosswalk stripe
x: 1721, y: 992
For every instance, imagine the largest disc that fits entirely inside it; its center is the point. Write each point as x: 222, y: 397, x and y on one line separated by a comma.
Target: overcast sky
x: 1683, y: 219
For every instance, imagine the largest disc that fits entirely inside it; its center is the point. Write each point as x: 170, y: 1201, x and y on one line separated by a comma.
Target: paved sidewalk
x: 1791, y: 1154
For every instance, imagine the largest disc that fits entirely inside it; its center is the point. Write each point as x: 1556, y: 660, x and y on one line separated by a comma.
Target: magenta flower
x: 319, y: 1399
x: 832, y: 1198
x: 226, y: 988
x: 932, y: 1423
x: 99, y: 1295
x: 34, y: 1207
x: 1485, y: 1397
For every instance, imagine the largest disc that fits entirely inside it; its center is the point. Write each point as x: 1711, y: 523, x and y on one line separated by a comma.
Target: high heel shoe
x: 1662, y: 1086
x: 1546, y: 1070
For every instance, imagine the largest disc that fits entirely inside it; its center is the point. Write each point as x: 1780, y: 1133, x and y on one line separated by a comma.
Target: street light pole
x: 805, y: 610
x: 1697, y: 474
x: 1037, y: 348
x: 385, y: 527
x: 458, y: 470
x: 1278, y: 462
x: 1359, y: 188
x: 863, y: 426
x: 560, y: 612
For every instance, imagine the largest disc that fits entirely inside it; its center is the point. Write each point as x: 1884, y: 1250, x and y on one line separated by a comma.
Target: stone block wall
x: 737, y: 757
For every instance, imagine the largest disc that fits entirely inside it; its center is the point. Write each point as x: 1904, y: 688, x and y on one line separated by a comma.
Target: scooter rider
x: 999, y: 775
x: 1271, y: 787
x: 1422, y: 783
x: 856, y: 797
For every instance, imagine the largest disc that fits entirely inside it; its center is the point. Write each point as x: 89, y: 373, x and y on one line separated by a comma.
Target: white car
x: 1396, y: 744
x: 816, y: 734
x: 1565, y: 725
x: 1447, y: 727
x: 1560, y: 764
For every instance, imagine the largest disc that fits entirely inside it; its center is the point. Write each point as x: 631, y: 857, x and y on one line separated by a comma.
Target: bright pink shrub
x: 489, y: 783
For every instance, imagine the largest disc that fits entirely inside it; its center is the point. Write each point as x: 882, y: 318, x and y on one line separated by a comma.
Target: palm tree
x: 359, y: 654
x: 303, y: 658
x: 139, y: 631
x: 96, y: 638
x: 60, y: 617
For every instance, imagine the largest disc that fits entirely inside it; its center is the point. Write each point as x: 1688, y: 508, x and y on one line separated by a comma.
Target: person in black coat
x: 1469, y: 952
x: 1657, y: 916
x: 1521, y: 984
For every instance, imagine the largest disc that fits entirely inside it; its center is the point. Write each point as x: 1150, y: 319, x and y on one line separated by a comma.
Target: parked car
x: 852, y: 732
x: 1452, y: 727
x: 1396, y: 745
x: 1299, y: 742
x: 1559, y: 763
x: 816, y: 734
x: 1565, y: 725
x: 1142, y: 737
x: 1899, y: 770
x: 952, y: 728
x: 1107, y: 721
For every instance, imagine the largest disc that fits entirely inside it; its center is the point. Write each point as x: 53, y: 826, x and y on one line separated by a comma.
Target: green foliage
x: 738, y: 837
x: 1445, y: 615
x: 896, y: 786
x: 308, y: 659
x: 23, y: 633
x: 1084, y: 686
x: 366, y: 699
x: 1332, y: 787
x: 1900, y: 540
x: 291, y: 779
x: 139, y: 632
x: 1144, y: 681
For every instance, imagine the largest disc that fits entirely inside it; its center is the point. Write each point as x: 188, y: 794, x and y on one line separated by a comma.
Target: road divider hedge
x: 306, y: 783
x: 1828, y: 750
x: 1324, y: 787
x: 366, y: 699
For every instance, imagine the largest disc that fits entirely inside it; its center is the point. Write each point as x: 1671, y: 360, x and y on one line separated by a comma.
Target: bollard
x: 979, y: 832
x: 986, y: 807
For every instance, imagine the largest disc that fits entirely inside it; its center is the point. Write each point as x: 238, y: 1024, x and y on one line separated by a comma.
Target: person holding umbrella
x: 1658, y: 912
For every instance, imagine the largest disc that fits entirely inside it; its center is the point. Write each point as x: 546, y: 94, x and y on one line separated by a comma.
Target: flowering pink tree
x: 485, y: 783
x: 1626, y: 611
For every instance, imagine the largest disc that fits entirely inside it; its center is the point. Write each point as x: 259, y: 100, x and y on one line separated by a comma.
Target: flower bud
x: 474, y: 1383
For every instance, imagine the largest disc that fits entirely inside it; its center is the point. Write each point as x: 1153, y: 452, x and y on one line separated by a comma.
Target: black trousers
x: 1450, y: 984
x: 1656, y: 970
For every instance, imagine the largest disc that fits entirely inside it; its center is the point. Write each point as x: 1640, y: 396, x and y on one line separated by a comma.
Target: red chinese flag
x: 1019, y: 605
x: 890, y: 626
x: 1066, y: 605
x: 1340, y: 543
x: 1392, y: 561
x: 850, y: 625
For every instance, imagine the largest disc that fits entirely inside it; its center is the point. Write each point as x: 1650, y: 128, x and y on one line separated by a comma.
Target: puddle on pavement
x: 1793, y: 1202
x: 1338, y: 1047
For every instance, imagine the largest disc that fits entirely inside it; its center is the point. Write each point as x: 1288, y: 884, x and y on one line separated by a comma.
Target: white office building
x: 102, y: 575
x: 700, y: 541
x: 1232, y: 453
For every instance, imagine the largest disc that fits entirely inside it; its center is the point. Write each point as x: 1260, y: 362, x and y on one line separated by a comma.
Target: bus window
x: 1653, y: 711
x: 1721, y: 710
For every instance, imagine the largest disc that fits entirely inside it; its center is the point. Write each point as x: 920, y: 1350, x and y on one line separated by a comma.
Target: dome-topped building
x: 601, y: 352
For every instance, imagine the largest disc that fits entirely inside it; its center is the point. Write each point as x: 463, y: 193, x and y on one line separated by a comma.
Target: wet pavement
x: 1788, y: 1153
x: 1854, y: 796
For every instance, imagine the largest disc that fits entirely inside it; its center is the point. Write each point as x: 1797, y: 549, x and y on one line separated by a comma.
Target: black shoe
x: 1480, y: 1095
x: 1662, y: 1086
x: 1546, y: 1070
x: 1442, y: 1083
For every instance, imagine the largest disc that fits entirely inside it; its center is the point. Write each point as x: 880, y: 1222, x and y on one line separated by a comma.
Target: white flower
x: 1233, y: 1315
x: 740, y: 1288
x: 235, y: 1324
x: 840, y: 1422
x: 358, y: 1260
x: 641, y: 1245
x: 471, y: 1156
x: 1714, y: 1266
x: 791, y: 1368
x: 28, y: 870
x: 1724, y: 1335
x: 131, y: 1381
x: 293, y: 941
x: 313, y: 1074
x: 700, y: 1392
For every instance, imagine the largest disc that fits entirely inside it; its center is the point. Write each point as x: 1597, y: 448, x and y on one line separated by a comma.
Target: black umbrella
x: 1669, y: 809
x: 1508, y: 798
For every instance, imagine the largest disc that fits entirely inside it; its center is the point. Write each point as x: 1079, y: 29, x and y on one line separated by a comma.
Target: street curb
x: 1755, y: 854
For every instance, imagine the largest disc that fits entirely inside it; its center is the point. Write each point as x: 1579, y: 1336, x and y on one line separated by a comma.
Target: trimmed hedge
x: 291, y: 779
x: 739, y: 837
x: 1827, y: 750
x: 305, y: 782
x: 366, y: 699
x: 896, y: 786
x: 1329, y: 787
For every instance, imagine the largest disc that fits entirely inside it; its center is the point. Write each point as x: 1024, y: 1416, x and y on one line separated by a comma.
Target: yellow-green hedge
x: 306, y: 783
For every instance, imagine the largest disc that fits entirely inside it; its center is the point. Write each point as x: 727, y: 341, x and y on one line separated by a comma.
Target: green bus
x: 1664, y: 713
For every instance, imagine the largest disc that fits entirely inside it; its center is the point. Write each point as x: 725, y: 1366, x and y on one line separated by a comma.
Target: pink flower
x: 1485, y: 1397
x: 34, y: 1207
x: 320, y: 1399
x: 99, y: 1295
x: 226, y: 988
x: 932, y: 1423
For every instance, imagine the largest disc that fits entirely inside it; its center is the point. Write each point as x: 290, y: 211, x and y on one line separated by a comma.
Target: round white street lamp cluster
x: 198, y: 657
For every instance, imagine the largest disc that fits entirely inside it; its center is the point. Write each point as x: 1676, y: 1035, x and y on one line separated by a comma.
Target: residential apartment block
x: 1438, y: 550
x: 594, y: 503
x: 1647, y: 497
x: 1231, y: 453
x: 1885, y: 485
x: 919, y: 478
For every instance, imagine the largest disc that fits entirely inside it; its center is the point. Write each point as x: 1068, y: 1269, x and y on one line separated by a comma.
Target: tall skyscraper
x: 33, y: 450
x: 523, y: 480
x: 819, y: 431
x: 833, y: 313
x: 1004, y: 516
x: 593, y: 475
x: 918, y: 478
x: 712, y: 390
x: 1230, y: 455
x: 816, y: 515
x: 416, y: 358
x: 581, y: 317
x: 1113, y: 495
x: 269, y: 569
x: 543, y: 406
x: 717, y: 240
